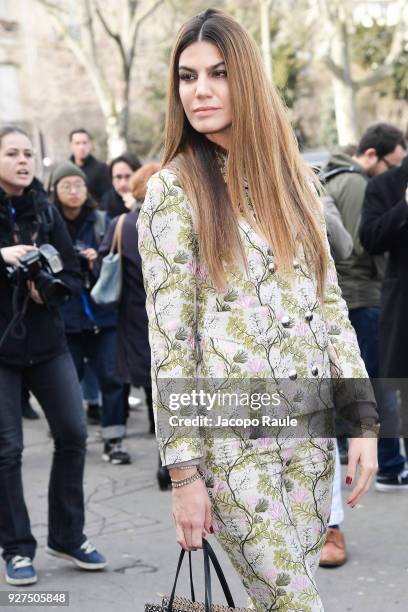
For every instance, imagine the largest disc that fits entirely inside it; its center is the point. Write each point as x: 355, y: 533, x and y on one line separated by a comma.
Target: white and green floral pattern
x: 271, y: 503
x: 271, y: 497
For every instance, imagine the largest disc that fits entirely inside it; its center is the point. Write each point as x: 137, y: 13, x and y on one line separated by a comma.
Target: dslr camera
x: 40, y: 266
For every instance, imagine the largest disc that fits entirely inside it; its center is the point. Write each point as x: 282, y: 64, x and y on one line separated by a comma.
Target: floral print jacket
x: 264, y: 325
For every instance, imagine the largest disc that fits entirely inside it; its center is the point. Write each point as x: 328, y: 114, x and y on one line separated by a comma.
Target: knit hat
x: 66, y: 169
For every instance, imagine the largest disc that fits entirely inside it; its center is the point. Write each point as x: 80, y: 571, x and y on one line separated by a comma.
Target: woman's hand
x: 128, y: 200
x: 191, y: 512
x: 35, y: 296
x: 12, y: 254
x: 362, y: 452
x: 91, y: 255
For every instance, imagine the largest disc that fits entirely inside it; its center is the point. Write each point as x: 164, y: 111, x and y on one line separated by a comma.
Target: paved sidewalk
x: 129, y: 520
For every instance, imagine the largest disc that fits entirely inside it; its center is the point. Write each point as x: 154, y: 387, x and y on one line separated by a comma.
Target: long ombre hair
x: 262, y: 148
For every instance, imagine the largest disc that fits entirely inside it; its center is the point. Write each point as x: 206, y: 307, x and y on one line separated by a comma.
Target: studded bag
x: 182, y: 604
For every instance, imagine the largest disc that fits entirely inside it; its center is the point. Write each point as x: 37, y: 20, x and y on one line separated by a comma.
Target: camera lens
x: 52, y: 291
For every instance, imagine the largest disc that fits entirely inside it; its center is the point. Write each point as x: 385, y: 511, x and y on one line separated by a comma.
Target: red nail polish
x: 211, y: 529
x: 349, y: 480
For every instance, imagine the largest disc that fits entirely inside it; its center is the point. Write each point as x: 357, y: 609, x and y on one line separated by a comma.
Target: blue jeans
x: 55, y: 385
x: 90, y: 388
x: 101, y: 352
x: 365, y: 323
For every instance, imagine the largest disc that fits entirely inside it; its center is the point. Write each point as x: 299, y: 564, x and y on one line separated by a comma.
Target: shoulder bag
x: 108, y: 288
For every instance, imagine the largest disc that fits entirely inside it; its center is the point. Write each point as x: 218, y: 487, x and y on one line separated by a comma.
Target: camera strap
x: 16, y: 326
x: 86, y: 307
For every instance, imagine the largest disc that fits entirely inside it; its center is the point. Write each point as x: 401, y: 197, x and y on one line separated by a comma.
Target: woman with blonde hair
x: 241, y: 287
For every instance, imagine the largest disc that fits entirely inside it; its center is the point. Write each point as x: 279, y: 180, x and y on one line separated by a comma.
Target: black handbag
x: 182, y: 604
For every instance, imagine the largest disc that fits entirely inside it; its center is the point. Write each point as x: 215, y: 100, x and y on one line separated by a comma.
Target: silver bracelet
x: 185, y: 481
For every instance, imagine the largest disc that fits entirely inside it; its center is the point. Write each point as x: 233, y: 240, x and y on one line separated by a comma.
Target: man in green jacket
x: 381, y: 147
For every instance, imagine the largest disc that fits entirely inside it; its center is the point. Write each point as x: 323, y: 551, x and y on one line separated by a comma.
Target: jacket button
x: 285, y: 321
x: 271, y: 267
x: 292, y: 374
x: 269, y: 251
x: 315, y: 370
x: 309, y: 315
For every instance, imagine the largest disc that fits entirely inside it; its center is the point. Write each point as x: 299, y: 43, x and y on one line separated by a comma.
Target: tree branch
x: 117, y: 38
x: 105, y: 24
x: 104, y: 94
x: 91, y: 32
x: 396, y: 49
x: 382, y: 72
x: 335, y: 68
x: 51, y: 6
x: 137, y: 22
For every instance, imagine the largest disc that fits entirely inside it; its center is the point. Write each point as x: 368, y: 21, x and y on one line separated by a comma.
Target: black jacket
x: 98, y: 177
x: 133, y: 336
x: 113, y: 204
x: 37, y: 222
x: 384, y: 228
x: 74, y: 314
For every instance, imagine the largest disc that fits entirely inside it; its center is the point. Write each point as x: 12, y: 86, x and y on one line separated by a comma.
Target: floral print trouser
x: 271, y: 504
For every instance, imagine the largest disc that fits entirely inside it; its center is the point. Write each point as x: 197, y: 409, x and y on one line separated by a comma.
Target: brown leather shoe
x: 334, y: 550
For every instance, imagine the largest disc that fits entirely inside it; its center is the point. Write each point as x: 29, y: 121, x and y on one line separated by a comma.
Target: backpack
x: 326, y: 175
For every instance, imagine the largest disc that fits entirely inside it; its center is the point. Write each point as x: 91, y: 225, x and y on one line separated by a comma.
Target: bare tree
x: 122, y: 26
x: 264, y: 12
x: 339, y: 20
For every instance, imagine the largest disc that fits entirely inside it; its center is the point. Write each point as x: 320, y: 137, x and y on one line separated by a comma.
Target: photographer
x: 91, y: 329
x: 34, y: 352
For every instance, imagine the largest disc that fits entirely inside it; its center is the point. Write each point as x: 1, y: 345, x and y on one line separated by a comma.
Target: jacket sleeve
x: 60, y: 239
x: 353, y: 394
x: 349, y: 190
x: 341, y: 242
x: 167, y: 246
x: 380, y: 224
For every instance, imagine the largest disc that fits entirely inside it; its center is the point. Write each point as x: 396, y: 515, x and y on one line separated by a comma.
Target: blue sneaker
x: 85, y: 557
x: 20, y: 570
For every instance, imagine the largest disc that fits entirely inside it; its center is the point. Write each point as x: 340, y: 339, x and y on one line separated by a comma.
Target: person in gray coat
x: 341, y: 242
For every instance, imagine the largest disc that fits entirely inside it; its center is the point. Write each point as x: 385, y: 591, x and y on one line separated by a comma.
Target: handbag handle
x: 208, y: 554
x: 117, y: 236
x: 190, y: 567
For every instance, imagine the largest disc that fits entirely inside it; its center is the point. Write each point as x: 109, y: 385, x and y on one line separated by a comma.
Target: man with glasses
x: 382, y: 146
x: 360, y: 276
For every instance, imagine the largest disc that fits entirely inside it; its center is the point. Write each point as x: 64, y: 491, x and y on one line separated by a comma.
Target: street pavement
x: 129, y: 519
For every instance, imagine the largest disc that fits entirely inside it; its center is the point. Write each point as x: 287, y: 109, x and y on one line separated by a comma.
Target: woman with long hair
x: 34, y: 355
x: 241, y: 287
